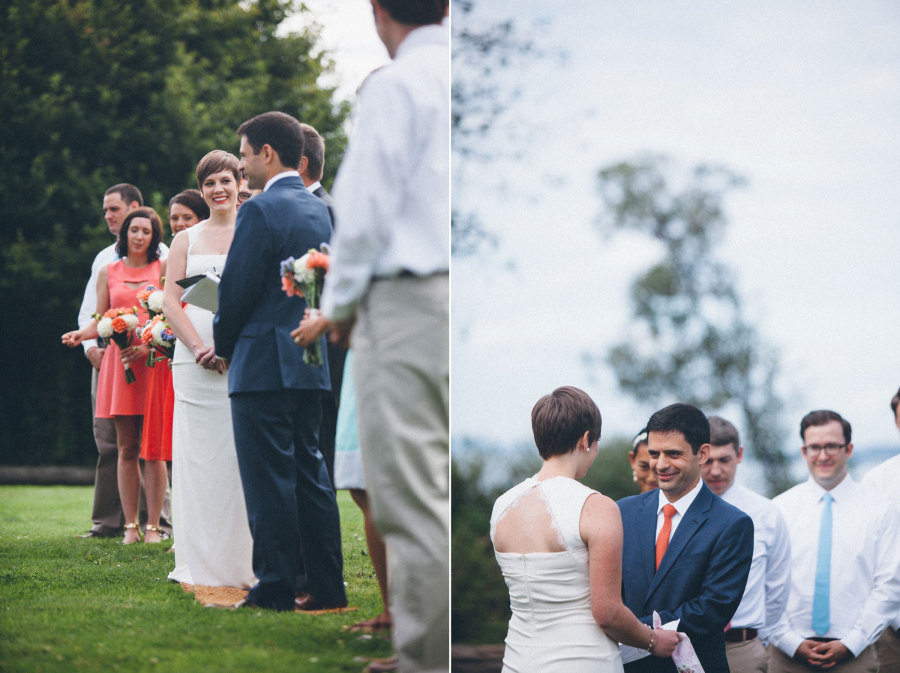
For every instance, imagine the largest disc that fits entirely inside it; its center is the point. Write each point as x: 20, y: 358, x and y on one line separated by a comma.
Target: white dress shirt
x: 681, y: 506
x: 768, y: 583
x: 89, y: 302
x: 865, y: 554
x: 883, y: 479
x: 392, y: 192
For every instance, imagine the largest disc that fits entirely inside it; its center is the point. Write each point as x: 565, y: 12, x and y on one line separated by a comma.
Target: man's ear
x: 304, y: 163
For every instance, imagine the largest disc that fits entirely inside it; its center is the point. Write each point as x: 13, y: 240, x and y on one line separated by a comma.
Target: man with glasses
x: 845, y: 552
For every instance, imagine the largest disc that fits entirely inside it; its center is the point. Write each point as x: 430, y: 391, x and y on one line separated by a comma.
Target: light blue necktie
x: 821, y: 619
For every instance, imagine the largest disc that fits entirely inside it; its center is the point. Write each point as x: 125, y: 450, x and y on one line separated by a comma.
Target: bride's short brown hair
x: 559, y: 419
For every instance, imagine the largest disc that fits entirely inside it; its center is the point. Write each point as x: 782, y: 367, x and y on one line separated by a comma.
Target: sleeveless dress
x: 213, y: 546
x: 116, y: 397
x: 348, y: 469
x: 156, y: 435
x: 552, y: 628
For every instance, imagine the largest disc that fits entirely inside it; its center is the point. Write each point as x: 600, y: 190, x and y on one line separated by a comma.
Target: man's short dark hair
x: 127, y: 192
x: 686, y: 419
x: 722, y: 432
x: 278, y: 130
x: 895, y: 402
x: 824, y: 417
x: 314, y: 151
x: 155, y: 225
x: 559, y: 420
x: 415, y: 12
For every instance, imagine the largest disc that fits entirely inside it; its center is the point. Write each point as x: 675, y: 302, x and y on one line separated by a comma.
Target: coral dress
x: 156, y: 437
x: 115, y: 397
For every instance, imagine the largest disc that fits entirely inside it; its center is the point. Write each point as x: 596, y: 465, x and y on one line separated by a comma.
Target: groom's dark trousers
x: 275, y: 400
x: 700, y: 580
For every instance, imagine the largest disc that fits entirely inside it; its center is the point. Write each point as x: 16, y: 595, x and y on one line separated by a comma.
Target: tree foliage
x: 482, y: 52
x: 690, y: 340
x: 96, y: 93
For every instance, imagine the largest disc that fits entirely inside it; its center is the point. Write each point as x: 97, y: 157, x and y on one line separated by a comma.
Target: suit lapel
x: 647, y: 536
x: 690, y: 524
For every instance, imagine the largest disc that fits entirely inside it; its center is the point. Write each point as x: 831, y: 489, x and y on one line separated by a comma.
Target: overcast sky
x: 802, y: 98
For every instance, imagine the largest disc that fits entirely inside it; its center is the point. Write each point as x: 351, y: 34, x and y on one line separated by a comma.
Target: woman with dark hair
x: 639, y: 457
x: 117, y: 286
x: 213, y: 543
x: 185, y: 210
x: 559, y: 545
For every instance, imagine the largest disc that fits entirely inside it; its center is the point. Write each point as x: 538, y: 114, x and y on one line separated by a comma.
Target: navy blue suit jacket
x: 255, y: 318
x: 701, y: 578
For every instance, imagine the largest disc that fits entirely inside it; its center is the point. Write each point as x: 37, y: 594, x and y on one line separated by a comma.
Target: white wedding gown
x: 552, y: 628
x: 213, y: 546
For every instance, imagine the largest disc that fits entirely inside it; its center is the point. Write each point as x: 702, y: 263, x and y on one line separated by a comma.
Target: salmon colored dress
x: 156, y: 437
x: 115, y: 397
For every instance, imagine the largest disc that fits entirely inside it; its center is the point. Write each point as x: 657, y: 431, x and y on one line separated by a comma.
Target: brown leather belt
x: 740, y: 635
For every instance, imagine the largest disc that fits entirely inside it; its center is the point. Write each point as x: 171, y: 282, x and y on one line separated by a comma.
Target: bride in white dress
x: 559, y: 545
x: 213, y: 546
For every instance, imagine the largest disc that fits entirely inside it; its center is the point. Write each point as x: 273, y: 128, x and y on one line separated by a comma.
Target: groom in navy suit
x: 686, y: 552
x: 275, y: 397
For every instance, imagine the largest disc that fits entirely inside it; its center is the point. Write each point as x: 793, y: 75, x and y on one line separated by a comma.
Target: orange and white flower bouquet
x: 119, y: 324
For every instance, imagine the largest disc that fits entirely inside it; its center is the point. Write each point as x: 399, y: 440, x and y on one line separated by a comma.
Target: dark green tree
x: 689, y: 339
x: 96, y: 93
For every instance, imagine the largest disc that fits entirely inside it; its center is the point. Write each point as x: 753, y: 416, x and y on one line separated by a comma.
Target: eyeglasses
x: 829, y: 449
x: 243, y: 196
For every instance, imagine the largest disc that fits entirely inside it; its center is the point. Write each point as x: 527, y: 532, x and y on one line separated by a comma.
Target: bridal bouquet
x: 151, y: 299
x: 305, y: 277
x: 119, y: 324
x: 158, y: 334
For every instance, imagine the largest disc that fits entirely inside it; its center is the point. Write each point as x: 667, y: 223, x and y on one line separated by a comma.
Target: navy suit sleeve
x: 723, y: 583
x: 243, y: 278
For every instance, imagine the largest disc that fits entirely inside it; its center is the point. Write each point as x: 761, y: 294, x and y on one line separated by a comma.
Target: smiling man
x: 686, y: 552
x: 765, y: 595
x: 845, y: 552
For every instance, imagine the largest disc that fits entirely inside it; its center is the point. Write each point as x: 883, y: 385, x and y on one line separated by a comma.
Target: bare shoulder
x: 599, y: 516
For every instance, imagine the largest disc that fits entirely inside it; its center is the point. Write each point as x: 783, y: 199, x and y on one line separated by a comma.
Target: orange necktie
x: 662, y: 542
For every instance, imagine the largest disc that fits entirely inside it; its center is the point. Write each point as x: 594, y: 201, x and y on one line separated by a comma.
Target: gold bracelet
x: 650, y: 646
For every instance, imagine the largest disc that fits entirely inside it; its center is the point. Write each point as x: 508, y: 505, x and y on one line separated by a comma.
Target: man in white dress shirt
x: 845, y: 552
x: 884, y: 479
x: 766, y: 594
x: 389, y: 273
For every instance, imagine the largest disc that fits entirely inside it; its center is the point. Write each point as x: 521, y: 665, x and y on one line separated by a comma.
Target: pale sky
x: 802, y: 98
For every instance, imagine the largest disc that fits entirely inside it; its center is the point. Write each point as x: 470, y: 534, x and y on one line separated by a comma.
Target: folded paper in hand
x: 684, y: 657
x: 204, y: 292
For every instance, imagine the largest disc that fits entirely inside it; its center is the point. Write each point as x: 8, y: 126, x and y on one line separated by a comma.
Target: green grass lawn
x: 69, y: 604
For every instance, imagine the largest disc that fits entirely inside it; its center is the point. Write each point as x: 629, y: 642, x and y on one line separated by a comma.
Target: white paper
x: 684, y: 657
x: 204, y: 293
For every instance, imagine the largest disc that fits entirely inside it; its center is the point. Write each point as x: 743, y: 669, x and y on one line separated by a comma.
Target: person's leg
x: 318, y: 517
x: 106, y: 512
x: 128, y: 435
x: 263, y: 436
x: 402, y: 378
x: 377, y: 553
x: 156, y: 483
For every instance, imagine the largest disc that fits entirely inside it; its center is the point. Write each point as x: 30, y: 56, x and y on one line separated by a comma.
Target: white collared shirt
x: 681, y: 505
x: 392, y: 192
x: 275, y: 178
x: 865, y: 557
x: 768, y: 583
x: 314, y: 186
x: 884, y: 479
x: 89, y: 301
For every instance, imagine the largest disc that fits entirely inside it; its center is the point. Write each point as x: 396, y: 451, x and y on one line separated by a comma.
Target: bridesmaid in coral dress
x: 117, y: 287
x: 185, y: 210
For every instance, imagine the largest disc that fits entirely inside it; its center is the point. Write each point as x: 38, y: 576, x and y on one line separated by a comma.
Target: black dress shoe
x: 307, y: 603
x: 100, y: 533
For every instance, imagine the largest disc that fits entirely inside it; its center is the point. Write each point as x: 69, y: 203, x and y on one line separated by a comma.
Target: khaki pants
x: 888, y: 649
x: 401, y: 365
x: 749, y: 656
x: 866, y: 662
